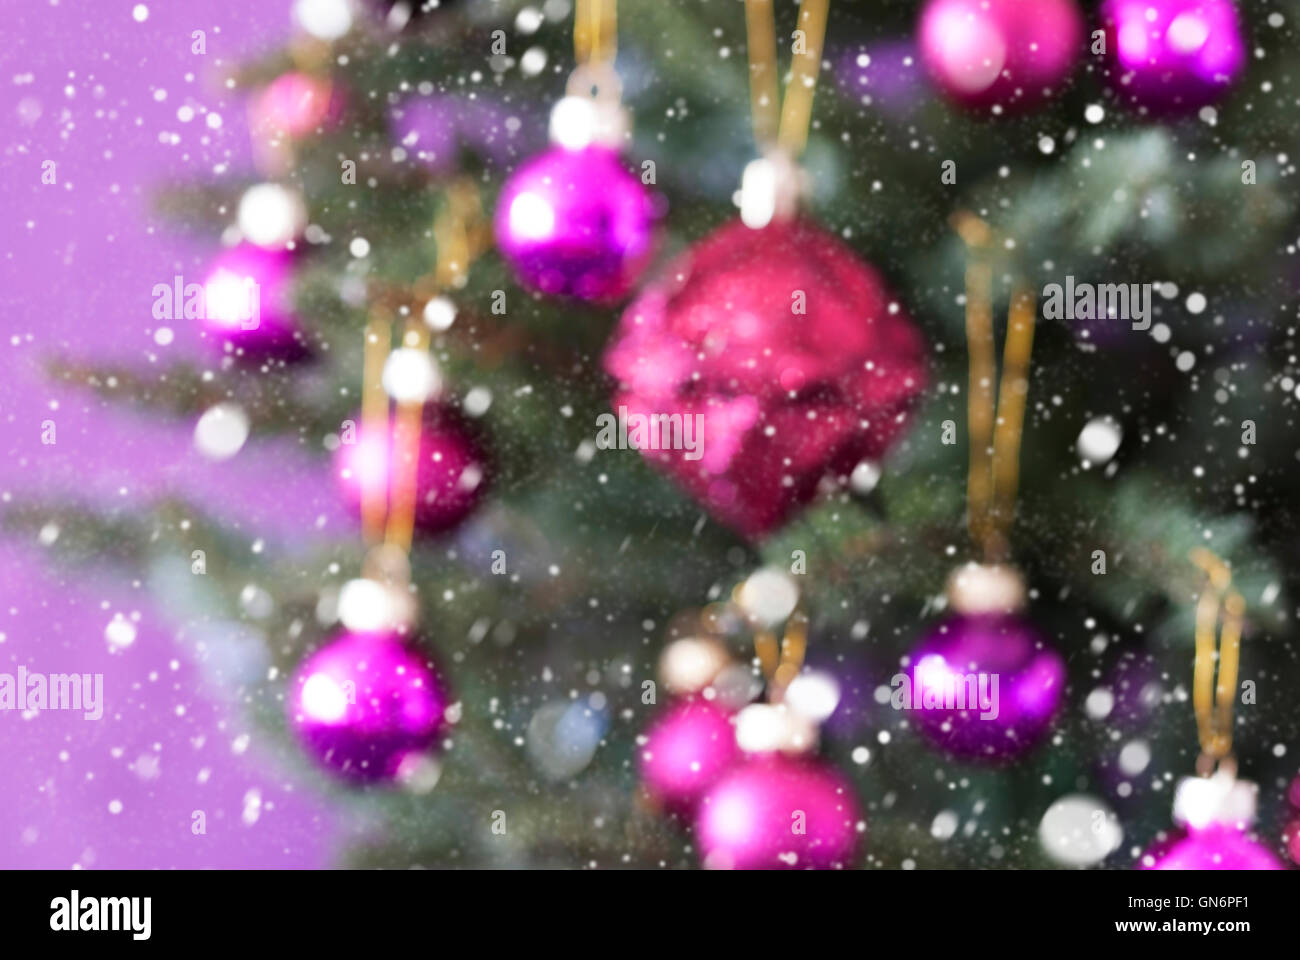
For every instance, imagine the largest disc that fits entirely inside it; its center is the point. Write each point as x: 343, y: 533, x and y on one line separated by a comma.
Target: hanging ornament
x: 995, y: 663
x: 1214, y: 810
x: 367, y: 706
x: 784, y: 352
x: 745, y: 772
x: 1173, y: 56
x: 1000, y: 53
x: 422, y: 463
x: 775, y: 812
x: 293, y: 104
x: 451, y: 472
x: 686, y: 749
x: 984, y: 684
x: 573, y: 221
x: 778, y: 807
x: 248, y: 302
x: 1213, y: 814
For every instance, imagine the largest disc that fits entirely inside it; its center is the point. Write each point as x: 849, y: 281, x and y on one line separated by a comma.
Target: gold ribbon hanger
x: 790, y: 131
x: 460, y: 237
x: 595, y: 32
x: 996, y: 425
x: 1213, y: 702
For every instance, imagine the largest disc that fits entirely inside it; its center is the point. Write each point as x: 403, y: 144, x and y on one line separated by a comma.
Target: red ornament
x: 786, y: 352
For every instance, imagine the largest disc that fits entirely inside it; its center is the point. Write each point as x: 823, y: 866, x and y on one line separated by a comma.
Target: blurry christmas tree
x: 603, y: 554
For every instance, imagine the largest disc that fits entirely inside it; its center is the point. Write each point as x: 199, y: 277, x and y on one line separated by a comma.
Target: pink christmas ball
x: 248, y: 301
x: 1216, y: 847
x: 1291, y: 836
x: 366, y: 706
x: 783, y: 398
x: 1173, y: 55
x: 451, y: 469
x: 575, y: 223
x: 774, y: 812
x: 1293, y: 793
x: 1005, y: 657
x: 1006, y: 52
x: 293, y: 103
x: 687, y: 748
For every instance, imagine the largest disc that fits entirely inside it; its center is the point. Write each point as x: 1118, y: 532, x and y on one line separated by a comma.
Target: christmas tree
x: 1121, y: 220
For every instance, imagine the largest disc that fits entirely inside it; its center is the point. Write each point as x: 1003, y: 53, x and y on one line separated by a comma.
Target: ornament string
x: 790, y: 132
x: 595, y: 32
x: 1213, y: 702
x: 764, y: 95
x: 374, y: 417
x: 996, y: 424
x: 459, y: 238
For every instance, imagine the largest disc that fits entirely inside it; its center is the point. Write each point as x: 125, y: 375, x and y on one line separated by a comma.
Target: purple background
x: 81, y: 86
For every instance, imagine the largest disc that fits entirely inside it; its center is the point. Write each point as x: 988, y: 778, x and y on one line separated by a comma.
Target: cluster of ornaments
x: 742, y: 773
x: 1168, y: 56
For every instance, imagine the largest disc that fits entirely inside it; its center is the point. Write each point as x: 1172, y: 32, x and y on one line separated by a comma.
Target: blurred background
x: 550, y: 579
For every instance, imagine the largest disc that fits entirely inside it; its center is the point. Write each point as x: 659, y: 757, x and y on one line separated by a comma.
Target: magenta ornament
x: 1001, y: 656
x: 1173, y: 55
x: 576, y: 223
x: 293, y: 103
x: 1013, y: 53
x: 451, y: 470
x: 367, y: 706
x: 686, y: 750
x: 248, y: 301
x: 775, y: 812
x: 1218, y: 846
x: 782, y: 391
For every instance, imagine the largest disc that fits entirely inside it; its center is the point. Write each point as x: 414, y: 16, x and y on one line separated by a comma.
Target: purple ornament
x: 1006, y: 52
x: 686, y: 750
x: 775, y: 812
x: 1174, y: 55
x: 247, y: 301
x: 435, y: 128
x: 450, y: 475
x: 366, y: 706
x: 1219, y: 846
x: 575, y: 223
x: 998, y: 659
x: 885, y: 75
